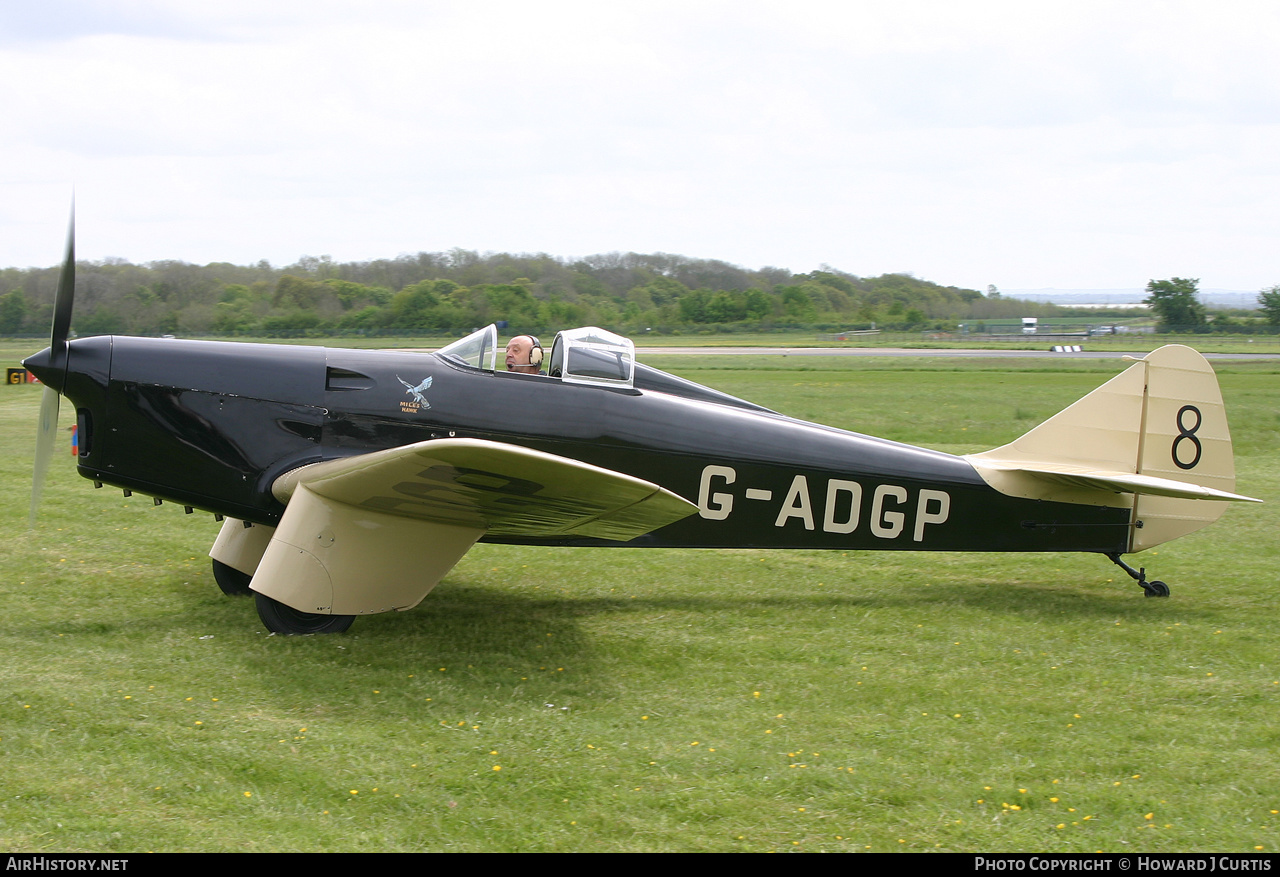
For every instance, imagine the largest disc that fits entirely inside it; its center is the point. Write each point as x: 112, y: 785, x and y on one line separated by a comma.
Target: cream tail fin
x: 1153, y: 439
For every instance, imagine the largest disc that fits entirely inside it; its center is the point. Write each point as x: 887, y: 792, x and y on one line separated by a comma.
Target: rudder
x: 1184, y: 438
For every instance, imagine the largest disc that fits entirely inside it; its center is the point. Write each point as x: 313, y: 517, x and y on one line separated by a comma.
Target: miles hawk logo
x: 419, y: 401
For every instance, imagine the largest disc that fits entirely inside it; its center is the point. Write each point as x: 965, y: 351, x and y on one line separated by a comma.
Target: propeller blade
x: 64, y: 299
x: 45, y: 440
x: 59, y: 359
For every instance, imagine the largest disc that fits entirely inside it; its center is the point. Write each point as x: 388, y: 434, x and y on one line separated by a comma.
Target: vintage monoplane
x: 352, y: 481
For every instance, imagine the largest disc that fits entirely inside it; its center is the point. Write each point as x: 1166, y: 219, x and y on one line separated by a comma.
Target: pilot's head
x: 524, y: 354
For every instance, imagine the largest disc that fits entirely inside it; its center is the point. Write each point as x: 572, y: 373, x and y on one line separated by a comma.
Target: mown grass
x: 587, y: 699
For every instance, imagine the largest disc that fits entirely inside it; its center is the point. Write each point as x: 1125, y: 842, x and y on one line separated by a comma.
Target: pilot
x: 524, y: 355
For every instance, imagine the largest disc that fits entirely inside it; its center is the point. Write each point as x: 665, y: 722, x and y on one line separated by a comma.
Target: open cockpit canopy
x: 593, y: 356
x: 579, y: 356
x: 590, y: 356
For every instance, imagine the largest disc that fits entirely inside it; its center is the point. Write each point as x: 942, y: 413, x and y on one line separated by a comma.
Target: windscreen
x: 478, y: 350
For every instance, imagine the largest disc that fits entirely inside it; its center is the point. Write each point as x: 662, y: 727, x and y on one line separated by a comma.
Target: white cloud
x: 1026, y: 145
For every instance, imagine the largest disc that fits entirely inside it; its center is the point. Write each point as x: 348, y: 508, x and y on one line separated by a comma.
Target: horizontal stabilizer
x: 1120, y: 482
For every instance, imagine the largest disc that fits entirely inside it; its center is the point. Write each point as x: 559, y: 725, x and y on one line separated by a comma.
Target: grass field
x: 609, y: 700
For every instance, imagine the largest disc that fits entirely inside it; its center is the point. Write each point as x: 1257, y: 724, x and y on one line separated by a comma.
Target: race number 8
x: 1187, y: 433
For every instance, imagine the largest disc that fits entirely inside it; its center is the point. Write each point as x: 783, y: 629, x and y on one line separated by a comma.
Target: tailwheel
x: 232, y: 582
x: 280, y: 618
x: 1151, y: 589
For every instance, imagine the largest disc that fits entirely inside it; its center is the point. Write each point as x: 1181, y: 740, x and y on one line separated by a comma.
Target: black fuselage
x: 213, y: 424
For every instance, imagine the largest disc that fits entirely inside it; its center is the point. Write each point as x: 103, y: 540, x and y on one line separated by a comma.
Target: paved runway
x: 922, y: 352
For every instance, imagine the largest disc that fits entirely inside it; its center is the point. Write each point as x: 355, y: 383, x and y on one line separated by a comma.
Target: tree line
x: 450, y: 292
x: 441, y: 293
x: 1177, y: 306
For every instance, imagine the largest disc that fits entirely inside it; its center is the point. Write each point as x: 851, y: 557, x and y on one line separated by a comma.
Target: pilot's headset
x: 535, y: 355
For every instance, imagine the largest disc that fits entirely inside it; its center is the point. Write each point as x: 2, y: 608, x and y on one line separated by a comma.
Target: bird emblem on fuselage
x: 417, y: 391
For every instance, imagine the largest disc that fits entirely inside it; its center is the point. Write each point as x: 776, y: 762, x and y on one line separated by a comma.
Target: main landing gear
x: 232, y: 582
x: 276, y: 616
x: 280, y: 618
x: 1151, y: 589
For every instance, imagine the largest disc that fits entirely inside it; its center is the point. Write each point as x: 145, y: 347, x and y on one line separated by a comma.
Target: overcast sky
x: 1021, y: 144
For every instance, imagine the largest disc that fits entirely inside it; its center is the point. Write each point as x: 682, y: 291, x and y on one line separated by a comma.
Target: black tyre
x: 280, y: 618
x: 1157, y: 589
x: 232, y: 582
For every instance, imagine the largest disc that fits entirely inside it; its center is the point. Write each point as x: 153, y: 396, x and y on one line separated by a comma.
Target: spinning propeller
x: 54, y: 372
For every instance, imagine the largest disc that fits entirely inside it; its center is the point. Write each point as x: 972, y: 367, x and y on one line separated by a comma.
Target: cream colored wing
x: 503, y: 489
x: 377, y: 532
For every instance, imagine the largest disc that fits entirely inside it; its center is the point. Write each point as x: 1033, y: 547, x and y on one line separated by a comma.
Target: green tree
x: 13, y: 312
x: 292, y: 323
x: 299, y: 293
x: 1176, y: 305
x: 758, y: 305
x: 511, y: 302
x: 1269, y: 303
x: 797, y: 305
x: 693, y: 306
x: 233, y: 317
x: 556, y: 313
x: 414, y: 307
x: 724, y: 307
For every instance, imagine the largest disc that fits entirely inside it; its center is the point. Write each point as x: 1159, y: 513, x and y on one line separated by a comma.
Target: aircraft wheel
x: 232, y: 582
x: 1156, y: 589
x: 280, y: 618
